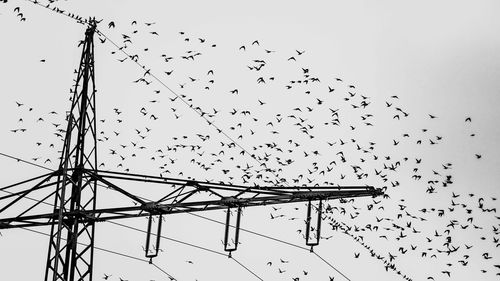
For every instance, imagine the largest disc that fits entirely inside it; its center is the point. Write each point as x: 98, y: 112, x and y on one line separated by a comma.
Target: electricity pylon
x: 73, y: 189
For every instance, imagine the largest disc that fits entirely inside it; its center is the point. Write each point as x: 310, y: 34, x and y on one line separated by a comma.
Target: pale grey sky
x: 439, y: 58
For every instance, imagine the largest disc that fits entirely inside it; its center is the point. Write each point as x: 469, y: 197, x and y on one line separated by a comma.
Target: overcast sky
x: 439, y: 58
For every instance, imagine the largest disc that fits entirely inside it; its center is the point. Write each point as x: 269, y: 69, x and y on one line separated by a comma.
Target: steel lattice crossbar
x: 181, y: 199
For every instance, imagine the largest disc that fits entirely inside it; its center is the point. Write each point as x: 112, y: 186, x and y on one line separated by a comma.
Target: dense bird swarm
x: 270, y: 120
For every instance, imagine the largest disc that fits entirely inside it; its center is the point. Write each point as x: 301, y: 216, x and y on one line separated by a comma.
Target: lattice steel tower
x: 76, y: 192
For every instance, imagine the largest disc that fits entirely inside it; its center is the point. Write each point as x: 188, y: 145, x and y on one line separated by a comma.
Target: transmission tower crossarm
x: 190, y: 196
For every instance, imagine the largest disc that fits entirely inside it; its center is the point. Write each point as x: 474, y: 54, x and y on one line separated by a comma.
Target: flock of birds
x: 323, y: 134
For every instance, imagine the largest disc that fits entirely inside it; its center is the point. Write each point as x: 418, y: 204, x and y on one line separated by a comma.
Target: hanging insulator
x: 227, y: 246
x: 313, y: 241
x: 152, y: 249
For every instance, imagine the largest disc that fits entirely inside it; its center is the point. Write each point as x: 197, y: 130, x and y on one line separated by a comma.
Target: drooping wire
x: 252, y: 232
x: 168, y: 238
x: 111, y: 252
x: 325, y: 261
x: 343, y: 226
x: 55, y: 9
x: 189, y: 244
x: 277, y: 240
x: 140, y: 230
x: 143, y: 67
x: 133, y: 228
x: 27, y: 162
x: 211, y: 220
x: 248, y: 269
x: 191, y: 106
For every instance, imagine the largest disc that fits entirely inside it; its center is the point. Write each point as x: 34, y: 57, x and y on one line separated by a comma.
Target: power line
x: 40, y: 166
x: 130, y: 227
x: 277, y: 240
x: 345, y: 229
x: 189, y: 244
x: 110, y: 251
x: 338, y: 271
x: 199, y: 112
x: 55, y: 9
x: 253, y: 273
x: 252, y: 232
x: 140, y: 230
x: 27, y: 162
x: 211, y: 220
x: 143, y: 67
x: 171, y: 239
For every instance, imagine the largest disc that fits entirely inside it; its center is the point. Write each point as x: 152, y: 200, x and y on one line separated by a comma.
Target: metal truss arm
x: 228, y: 196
